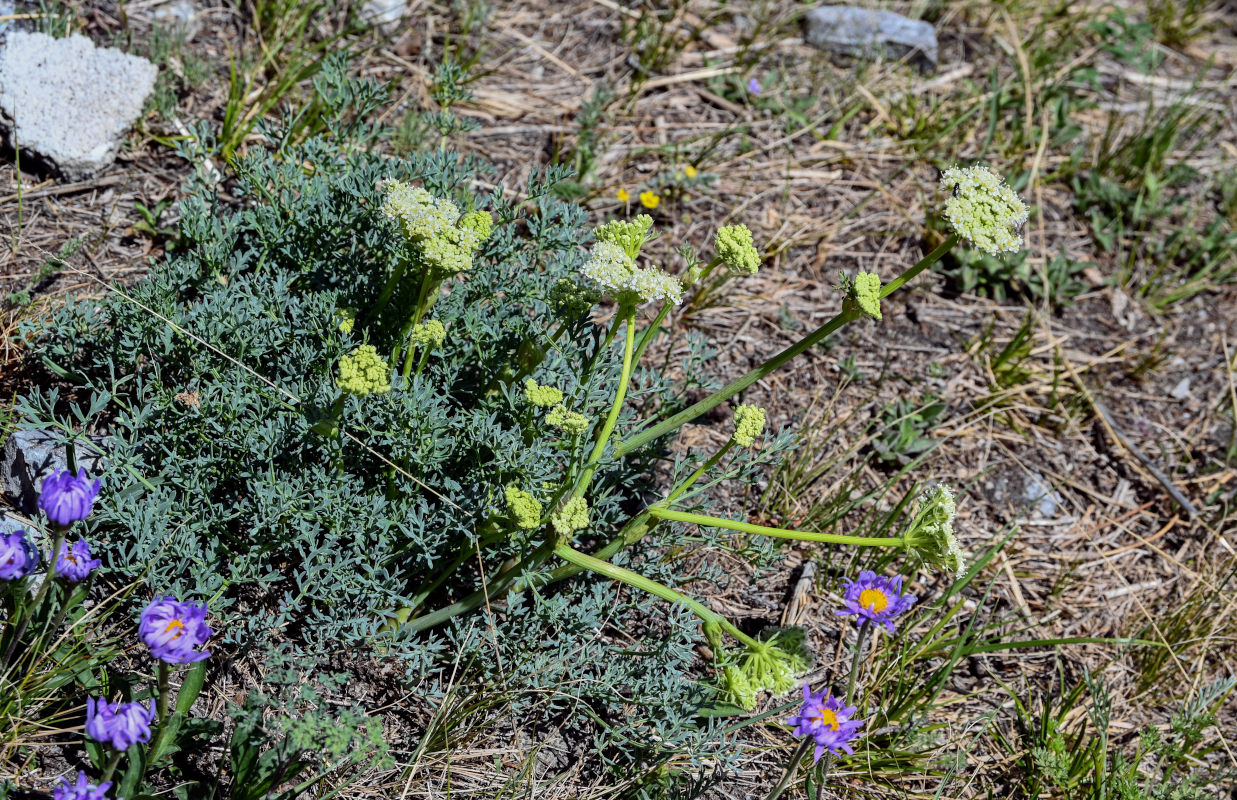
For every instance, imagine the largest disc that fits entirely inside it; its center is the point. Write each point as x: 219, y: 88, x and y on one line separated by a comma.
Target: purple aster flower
x: 82, y: 790
x: 174, y: 630
x: 118, y: 725
x: 826, y: 720
x: 66, y: 499
x: 753, y: 86
x: 18, y: 557
x: 877, y: 598
x: 75, y: 563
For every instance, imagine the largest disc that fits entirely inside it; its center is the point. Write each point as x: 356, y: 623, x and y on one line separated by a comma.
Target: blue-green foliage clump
x: 241, y: 473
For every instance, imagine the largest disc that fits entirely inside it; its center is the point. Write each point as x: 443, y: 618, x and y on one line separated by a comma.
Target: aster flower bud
x: 66, y: 499
x: 418, y: 213
x: 175, y: 631
x: 983, y: 210
x: 627, y: 236
x: 364, y: 372
x: 74, y: 563
x: 749, y: 422
x: 541, y: 396
x: 931, y: 534
x: 570, y: 517
x: 118, y: 725
x: 429, y: 334
x: 18, y: 557
x: 734, y: 246
x: 82, y: 790
x: 569, y: 421
x: 523, y: 508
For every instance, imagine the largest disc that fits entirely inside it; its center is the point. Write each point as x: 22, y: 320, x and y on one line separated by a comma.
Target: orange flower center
x: 828, y: 718
x: 175, y: 625
x: 873, y: 600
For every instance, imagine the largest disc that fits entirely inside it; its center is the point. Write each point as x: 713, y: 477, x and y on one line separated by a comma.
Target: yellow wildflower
x: 690, y: 171
x: 623, y: 196
x: 649, y: 199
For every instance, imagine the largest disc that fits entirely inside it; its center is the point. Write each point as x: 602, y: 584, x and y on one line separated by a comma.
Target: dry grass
x: 833, y: 166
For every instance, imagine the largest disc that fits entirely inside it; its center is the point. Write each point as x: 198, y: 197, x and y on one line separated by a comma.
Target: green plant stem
x: 164, y: 690
x: 603, y: 436
x: 465, y: 551
x: 677, y: 491
x: 112, y: 761
x: 810, y: 340
x: 864, y: 630
x: 796, y: 758
x: 606, y: 569
x: 761, y: 530
x: 384, y: 297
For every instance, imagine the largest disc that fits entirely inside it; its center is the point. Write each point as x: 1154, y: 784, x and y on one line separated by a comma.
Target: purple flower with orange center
x: 82, y: 790
x: 827, y: 720
x: 175, y: 631
x: 75, y: 563
x: 18, y: 557
x: 66, y: 498
x: 876, y: 598
x: 118, y: 725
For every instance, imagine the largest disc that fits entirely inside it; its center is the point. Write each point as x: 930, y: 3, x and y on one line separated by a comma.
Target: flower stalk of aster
x: 810, y: 340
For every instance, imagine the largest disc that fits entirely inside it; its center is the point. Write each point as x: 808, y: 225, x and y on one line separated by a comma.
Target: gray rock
x: 30, y: 456
x: 867, y: 32
x: 1182, y: 390
x: 179, y: 16
x: 67, y: 104
x: 1038, y: 492
x: 384, y: 14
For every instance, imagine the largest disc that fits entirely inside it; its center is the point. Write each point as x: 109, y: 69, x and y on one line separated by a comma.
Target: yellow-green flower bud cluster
x: 614, y: 272
x: 570, y: 298
x: 749, y: 423
x: 570, y: 421
x: 345, y: 318
x: 446, y: 240
x: 523, y: 508
x: 364, y: 372
x: 541, y: 396
x: 734, y: 247
x: 429, y: 334
x: 627, y: 236
x: 983, y: 210
x: 571, y: 516
x: 867, y: 293
x: 931, y: 535
x: 736, y: 689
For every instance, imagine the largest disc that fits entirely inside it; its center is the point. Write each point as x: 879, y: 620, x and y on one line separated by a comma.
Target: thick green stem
x: 397, y: 275
x: 791, y: 768
x: 762, y: 530
x: 812, y: 339
x: 108, y: 770
x: 164, y: 690
x: 677, y: 491
x: 402, y: 613
x: 603, y: 436
x: 605, y: 568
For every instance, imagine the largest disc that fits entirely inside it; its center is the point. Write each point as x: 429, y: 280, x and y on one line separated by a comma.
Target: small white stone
x: 1182, y: 390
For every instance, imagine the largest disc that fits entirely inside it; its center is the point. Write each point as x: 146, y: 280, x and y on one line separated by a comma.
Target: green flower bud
x: 867, y: 293
x: 612, y: 271
x: 542, y: 396
x: 570, y: 517
x: 569, y: 421
x: 364, y: 372
x: 983, y: 210
x: 713, y: 634
x: 734, y: 246
x: 571, y: 299
x: 478, y: 225
x: 735, y: 689
x: 345, y: 318
x: 429, y: 334
x: 931, y: 534
x: 523, y: 508
x: 447, y: 252
x: 749, y: 422
x: 628, y: 236
x: 769, y: 667
x: 418, y: 213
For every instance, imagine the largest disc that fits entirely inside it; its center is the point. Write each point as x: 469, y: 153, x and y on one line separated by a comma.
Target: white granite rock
x: 68, y: 104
